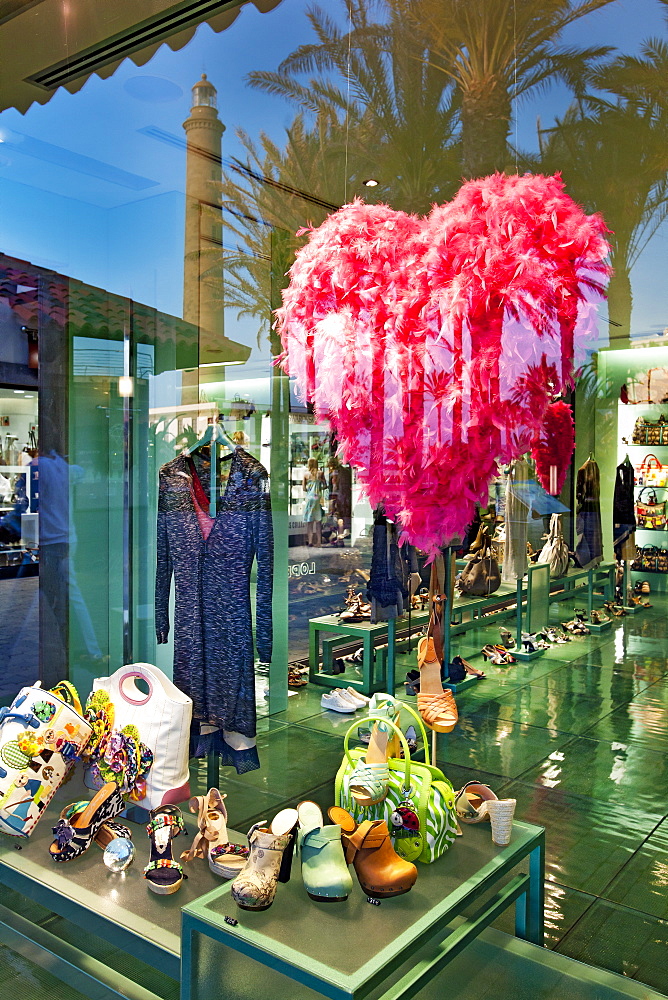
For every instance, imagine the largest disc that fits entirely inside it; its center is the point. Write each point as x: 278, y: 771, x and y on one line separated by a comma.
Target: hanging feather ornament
x: 434, y: 346
x: 553, y: 446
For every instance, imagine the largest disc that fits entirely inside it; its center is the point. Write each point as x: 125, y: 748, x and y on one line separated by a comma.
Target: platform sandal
x: 110, y: 829
x: 211, y: 840
x: 435, y: 703
x: 369, y: 781
x: 471, y: 802
x: 163, y: 874
x: 506, y: 637
x: 75, y: 835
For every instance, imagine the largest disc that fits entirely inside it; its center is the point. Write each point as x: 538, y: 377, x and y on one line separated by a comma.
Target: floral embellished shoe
x: 110, y: 830
x: 269, y: 862
x: 225, y: 858
x: 75, y: 835
x: 163, y: 874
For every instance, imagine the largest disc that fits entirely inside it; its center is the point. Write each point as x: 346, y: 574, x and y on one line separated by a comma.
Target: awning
x: 48, y: 44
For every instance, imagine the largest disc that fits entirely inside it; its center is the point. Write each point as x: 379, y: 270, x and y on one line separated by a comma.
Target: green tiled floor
x: 580, y: 738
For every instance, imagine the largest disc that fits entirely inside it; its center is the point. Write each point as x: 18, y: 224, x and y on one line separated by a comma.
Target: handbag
x: 555, y: 551
x: 651, y: 472
x: 42, y: 733
x: 650, y: 513
x: 162, y: 719
x: 648, y: 557
x: 650, y: 431
x: 420, y: 789
x: 481, y: 576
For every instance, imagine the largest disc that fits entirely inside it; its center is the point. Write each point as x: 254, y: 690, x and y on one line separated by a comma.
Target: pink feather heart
x: 435, y: 345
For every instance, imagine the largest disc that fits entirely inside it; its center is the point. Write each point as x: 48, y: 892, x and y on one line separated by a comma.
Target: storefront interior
x: 157, y: 180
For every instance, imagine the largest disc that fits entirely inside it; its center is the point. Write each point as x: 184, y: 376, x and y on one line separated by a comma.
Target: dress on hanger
x: 211, y: 559
x: 624, y: 512
x: 589, y: 548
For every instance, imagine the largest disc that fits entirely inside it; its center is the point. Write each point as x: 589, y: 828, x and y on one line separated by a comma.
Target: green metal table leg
x: 518, y: 616
x: 313, y: 649
x: 391, y: 652
x: 187, y: 941
x: 368, y: 664
x: 590, y: 593
x: 535, y: 930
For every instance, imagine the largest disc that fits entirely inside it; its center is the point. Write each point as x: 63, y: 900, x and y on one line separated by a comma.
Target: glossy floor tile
x: 643, y: 882
x: 588, y: 841
x: 624, y: 940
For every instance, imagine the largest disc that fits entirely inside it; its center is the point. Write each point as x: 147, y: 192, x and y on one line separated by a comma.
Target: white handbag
x: 162, y: 714
x: 40, y: 737
x: 555, y: 550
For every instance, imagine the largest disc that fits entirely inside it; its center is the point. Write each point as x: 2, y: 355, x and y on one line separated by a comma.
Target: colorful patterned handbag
x: 420, y: 805
x: 651, y: 472
x: 650, y: 513
x: 42, y: 733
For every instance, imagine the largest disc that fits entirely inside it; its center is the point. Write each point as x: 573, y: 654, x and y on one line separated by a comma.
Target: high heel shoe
x: 506, y: 637
x: 75, y: 835
x: 412, y: 682
x: 380, y: 871
x: 211, y: 840
x: 110, y: 829
x: 324, y: 869
x: 269, y: 862
x: 472, y: 800
x: 435, y: 704
x: 497, y: 655
x: 368, y: 782
x: 163, y: 874
x: 460, y: 662
x: 501, y: 814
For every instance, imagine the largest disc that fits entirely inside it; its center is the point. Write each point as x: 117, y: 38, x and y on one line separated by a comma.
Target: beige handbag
x: 481, y: 576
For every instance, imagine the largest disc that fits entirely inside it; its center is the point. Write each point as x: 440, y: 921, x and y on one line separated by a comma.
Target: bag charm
x: 406, y: 830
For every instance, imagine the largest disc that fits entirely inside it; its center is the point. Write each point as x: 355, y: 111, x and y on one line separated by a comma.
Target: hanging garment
x: 211, y: 559
x: 624, y: 512
x: 589, y: 548
x: 391, y: 567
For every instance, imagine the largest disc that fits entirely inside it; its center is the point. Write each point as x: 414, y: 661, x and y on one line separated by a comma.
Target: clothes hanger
x: 214, y: 435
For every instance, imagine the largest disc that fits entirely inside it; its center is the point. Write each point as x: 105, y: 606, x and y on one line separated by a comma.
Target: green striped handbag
x: 419, y: 795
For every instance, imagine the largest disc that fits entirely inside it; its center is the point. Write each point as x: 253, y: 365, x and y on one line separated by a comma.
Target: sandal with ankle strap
x: 369, y: 781
x: 211, y: 841
x: 163, y: 874
x: 75, y: 835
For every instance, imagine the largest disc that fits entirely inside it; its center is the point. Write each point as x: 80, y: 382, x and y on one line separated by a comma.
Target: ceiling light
x: 371, y: 183
x: 21, y: 391
x: 126, y: 386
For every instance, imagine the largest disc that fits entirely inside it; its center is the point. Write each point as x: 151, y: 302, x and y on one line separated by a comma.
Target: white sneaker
x: 360, y: 699
x: 336, y: 702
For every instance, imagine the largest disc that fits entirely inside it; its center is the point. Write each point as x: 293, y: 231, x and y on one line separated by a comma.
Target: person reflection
x: 58, y: 542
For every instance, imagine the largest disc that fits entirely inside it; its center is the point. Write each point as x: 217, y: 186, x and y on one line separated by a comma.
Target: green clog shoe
x: 324, y: 869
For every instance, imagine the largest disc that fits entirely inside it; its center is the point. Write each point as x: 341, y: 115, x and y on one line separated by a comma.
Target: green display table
x: 376, y: 676
x: 350, y: 950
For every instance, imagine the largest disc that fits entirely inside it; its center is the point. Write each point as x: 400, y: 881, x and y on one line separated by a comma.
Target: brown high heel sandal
x: 435, y: 704
x: 380, y: 871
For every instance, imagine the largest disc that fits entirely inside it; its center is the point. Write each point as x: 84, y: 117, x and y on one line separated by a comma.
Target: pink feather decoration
x: 553, y: 446
x: 434, y: 346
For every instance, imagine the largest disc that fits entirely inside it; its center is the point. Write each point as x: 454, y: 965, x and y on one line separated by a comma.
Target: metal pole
x: 128, y: 372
